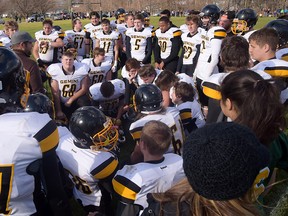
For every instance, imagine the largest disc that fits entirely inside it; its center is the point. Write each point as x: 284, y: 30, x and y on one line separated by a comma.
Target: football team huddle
x: 202, y: 105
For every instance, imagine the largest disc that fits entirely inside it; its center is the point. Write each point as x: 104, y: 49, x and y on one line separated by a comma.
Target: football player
x: 191, y: 46
x: 109, y: 96
x: 28, y: 160
x: 88, y: 153
x: 69, y: 85
x: 91, y: 28
x: 182, y: 95
x: 281, y: 26
x: 139, y: 41
x: 262, y: 47
x: 158, y: 171
x: 209, y: 51
x: 10, y: 27
x: 244, y: 23
x: 48, y: 41
x: 167, y: 45
x: 109, y: 41
x: 100, y: 70
x: 148, y: 104
x: 75, y: 39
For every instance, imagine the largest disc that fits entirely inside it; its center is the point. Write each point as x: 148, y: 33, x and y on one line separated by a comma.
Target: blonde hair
x: 200, y: 206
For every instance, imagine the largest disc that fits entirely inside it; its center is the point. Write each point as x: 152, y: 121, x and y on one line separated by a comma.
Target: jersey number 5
x: 6, y: 177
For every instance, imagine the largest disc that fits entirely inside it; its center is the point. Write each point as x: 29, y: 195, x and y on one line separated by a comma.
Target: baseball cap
x: 21, y: 36
x: 223, y: 160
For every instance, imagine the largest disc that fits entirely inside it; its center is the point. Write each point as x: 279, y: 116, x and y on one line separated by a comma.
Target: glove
x: 40, y: 62
x: 114, y: 68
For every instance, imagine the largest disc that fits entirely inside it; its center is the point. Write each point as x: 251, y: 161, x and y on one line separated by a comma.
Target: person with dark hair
x: 46, y: 46
x: 22, y: 44
x: 167, y: 43
x: 221, y: 152
x: 167, y: 13
x: 250, y: 100
x: 75, y: 38
x: 157, y: 173
x: 165, y: 81
x: 226, y: 20
x: 108, y: 96
x: 231, y: 49
x: 139, y: 41
x: 108, y: 40
x: 30, y: 177
x: 69, y: 85
x: 90, y: 29
x: 182, y: 95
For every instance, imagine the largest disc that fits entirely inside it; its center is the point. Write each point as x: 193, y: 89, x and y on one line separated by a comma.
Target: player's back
x: 24, y: 139
x: 171, y: 118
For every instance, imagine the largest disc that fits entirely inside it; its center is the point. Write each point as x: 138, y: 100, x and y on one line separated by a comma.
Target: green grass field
x: 277, y: 192
x: 66, y: 24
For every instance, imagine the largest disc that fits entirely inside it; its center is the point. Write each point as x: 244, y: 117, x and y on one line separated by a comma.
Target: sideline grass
x: 67, y: 25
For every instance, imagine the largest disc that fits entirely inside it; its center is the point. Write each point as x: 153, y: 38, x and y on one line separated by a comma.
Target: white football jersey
x: 78, y: 40
x: 189, y: 46
x: 107, y: 41
x: 282, y: 54
x: 92, y: 28
x: 133, y: 182
x: 25, y: 137
x: 209, y: 52
x: 191, y: 115
x: 185, y: 78
x: 68, y: 84
x: 122, y: 28
x: 111, y: 103
x: 164, y: 40
x: 274, y: 67
x: 85, y: 167
x: 5, y: 41
x: 97, y: 73
x: 138, y: 41
x: 47, y: 53
x: 171, y: 117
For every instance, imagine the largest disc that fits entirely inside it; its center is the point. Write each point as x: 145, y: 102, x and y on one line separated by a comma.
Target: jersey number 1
x: 6, y: 176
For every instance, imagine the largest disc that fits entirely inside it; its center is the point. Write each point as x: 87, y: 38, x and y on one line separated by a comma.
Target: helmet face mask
x: 244, y: 21
x: 120, y: 15
x: 93, y: 129
x: 239, y: 26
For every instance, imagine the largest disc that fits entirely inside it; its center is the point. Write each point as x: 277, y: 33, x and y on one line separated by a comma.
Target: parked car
x: 36, y: 18
x: 57, y: 16
x: 2, y: 21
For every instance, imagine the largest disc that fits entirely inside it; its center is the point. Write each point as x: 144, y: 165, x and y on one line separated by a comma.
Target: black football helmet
x: 281, y: 26
x: 14, y: 82
x: 93, y: 129
x: 40, y: 103
x: 57, y: 28
x: 146, y: 19
x: 247, y: 17
x: 120, y: 14
x: 212, y: 11
x: 148, y: 98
